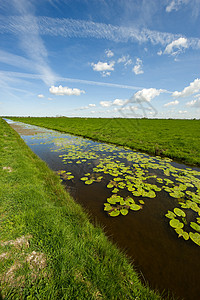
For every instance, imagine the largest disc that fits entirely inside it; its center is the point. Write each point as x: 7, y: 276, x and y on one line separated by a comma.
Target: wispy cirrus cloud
x: 15, y: 75
x: 88, y: 29
x: 26, y: 28
x: 175, y: 5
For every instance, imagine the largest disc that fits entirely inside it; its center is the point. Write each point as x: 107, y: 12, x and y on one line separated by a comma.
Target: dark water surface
x: 165, y: 261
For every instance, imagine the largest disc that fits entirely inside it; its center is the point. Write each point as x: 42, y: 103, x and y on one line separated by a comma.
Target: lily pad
x: 114, y: 213
x: 195, y: 226
x: 170, y: 215
x: 84, y: 178
x: 135, y: 207
x: 195, y: 237
x: 179, y: 212
x: 176, y: 223
x: 124, y: 211
x: 107, y: 206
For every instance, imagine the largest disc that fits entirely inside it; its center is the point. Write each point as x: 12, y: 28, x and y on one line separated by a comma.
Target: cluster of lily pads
x: 65, y: 175
x: 131, y: 176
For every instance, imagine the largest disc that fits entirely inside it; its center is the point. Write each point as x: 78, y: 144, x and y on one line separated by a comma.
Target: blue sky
x: 100, y: 58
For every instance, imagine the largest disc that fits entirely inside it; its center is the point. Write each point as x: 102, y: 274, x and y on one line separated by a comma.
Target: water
x: 162, y: 259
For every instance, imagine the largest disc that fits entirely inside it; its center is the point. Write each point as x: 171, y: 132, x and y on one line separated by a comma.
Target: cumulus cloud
x: 106, y: 103
x: 103, y: 66
x: 40, y: 96
x: 178, y: 44
x: 182, y: 111
x: 109, y: 53
x: 194, y: 103
x: 137, y: 69
x: 193, y: 88
x: 64, y: 90
x: 159, y: 52
x: 172, y: 103
x: 119, y: 102
x: 146, y: 95
x: 92, y: 105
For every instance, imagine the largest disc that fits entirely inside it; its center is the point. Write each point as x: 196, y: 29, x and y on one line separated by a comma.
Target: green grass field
x: 48, y: 247
x: 177, y: 139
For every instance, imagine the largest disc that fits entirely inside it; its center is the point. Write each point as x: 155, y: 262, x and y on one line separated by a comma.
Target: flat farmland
x: 174, y: 138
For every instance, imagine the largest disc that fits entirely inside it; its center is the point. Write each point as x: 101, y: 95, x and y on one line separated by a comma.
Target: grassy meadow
x: 177, y: 139
x: 48, y: 247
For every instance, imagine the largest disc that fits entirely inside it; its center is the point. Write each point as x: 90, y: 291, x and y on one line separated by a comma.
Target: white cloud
x: 194, y: 103
x: 172, y: 103
x: 106, y: 103
x: 159, y: 52
x: 27, y: 31
x: 178, y: 44
x: 15, y: 60
x: 79, y: 28
x: 82, y: 108
x: 105, y: 74
x: 13, y: 75
x: 177, y: 4
x: 103, y: 66
x: 61, y: 91
x: 193, y: 88
x: 109, y: 53
x: 119, y: 102
x: 182, y: 111
x: 146, y: 95
x: 50, y: 98
x: 125, y: 59
x: 137, y: 69
x: 40, y: 96
x: 92, y: 105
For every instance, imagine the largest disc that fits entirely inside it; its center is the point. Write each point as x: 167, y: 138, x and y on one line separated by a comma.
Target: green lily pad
x: 170, y: 215
x: 141, y: 201
x: 124, y: 211
x: 135, y: 207
x: 195, y: 237
x: 114, y: 213
x: 182, y: 233
x: 110, y: 186
x: 84, y: 178
x: 89, y: 181
x: 195, y: 226
x: 115, y: 190
x: 179, y: 212
x: 176, y: 223
x: 107, y: 206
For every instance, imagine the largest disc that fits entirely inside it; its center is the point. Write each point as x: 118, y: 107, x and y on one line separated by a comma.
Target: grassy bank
x: 177, y: 139
x: 48, y: 247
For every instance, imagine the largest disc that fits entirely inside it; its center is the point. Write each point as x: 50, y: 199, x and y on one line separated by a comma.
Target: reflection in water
x: 144, y: 203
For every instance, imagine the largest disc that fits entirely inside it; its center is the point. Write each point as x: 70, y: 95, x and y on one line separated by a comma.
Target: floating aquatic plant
x: 126, y: 172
